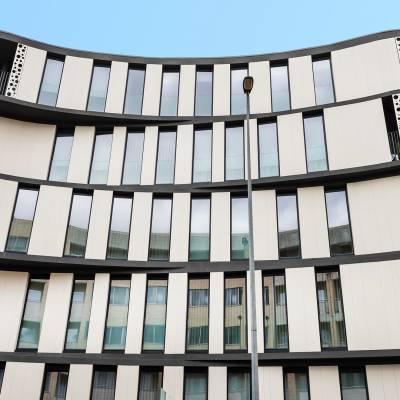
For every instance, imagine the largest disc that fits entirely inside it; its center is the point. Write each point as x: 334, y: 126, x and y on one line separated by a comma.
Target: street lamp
x: 248, y: 82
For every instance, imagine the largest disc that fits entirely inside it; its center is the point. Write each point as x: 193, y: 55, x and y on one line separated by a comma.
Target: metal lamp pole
x: 247, y: 87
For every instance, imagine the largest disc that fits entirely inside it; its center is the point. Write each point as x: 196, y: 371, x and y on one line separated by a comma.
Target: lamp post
x: 247, y: 87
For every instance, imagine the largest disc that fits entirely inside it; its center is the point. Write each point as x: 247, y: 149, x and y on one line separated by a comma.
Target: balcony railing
x: 394, y: 143
x: 3, y: 80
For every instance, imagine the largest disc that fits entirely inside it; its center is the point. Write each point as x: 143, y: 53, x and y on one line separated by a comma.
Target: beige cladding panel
x: 149, y: 155
x: 271, y: 383
x: 356, y: 126
x: 127, y: 382
x: 187, y: 83
x: 117, y: 155
x: 173, y: 382
x: 79, y: 382
x: 184, y: 150
x: 180, y: 227
x: 383, y: 382
x: 216, y: 313
x: 220, y: 227
x: 222, y: 90
x: 218, y: 152
x: 116, y: 87
x: 324, y: 383
x: 50, y: 222
x: 301, y: 82
x: 8, y: 192
x: 253, y: 148
x: 217, y: 383
x: 260, y: 96
x: 152, y: 89
x: 25, y: 148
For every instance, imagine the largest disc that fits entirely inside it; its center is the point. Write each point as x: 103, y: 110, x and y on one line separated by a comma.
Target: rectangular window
x: 150, y: 383
x: 196, y: 385
x: 33, y: 314
x: 199, y: 241
x: 98, y: 88
x: 238, y: 97
x: 2, y: 367
x: 323, y: 83
x: 79, y: 315
x: 202, y: 155
x: 134, y: 91
x: 238, y: 385
x: 61, y: 155
x: 156, y: 310
x: 268, y: 149
x: 197, y: 315
x: 133, y: 158
x: 204, y: 92
x: 275, y: 313
x: 166, y: 157
x: 235, y: 321
x: 288, y: 226
x: 160, y: 229
x: 118, y: 238
x: 314, y: 134
x: 280, y: 87
x: 55, y: 385
x: 103, y: 385
x: 330, y: 307
x: 296, y: 385
x: 169, y: 92
x: 117, y: 315
x: 77, y: 231
x: 353, y: 384
x: 21, y: 224
x: 51, y: 81
x: 239, y: 228
x: 101, y: 158
x: 340, y: 239
x: 234, y: 153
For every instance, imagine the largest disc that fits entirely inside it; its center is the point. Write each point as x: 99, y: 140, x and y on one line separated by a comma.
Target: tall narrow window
x: 330, y: 306
x: 315, y: 143
x: 280, y: 87
x: 33, y: 314
x: 196, y: 385
x: 51, y: 81
x: 2, y: 367
x: 166, y: 157
x: 169, y: 92
x: 235, y: 321
x: 238, y: 385
x: 234, y: 153
x: 134, y: 91
x: 117, y: 315
x: 21, y: 224
x: 61, y: 155
x: 118, y: 238
x: 239, y: 228
x: 238, y: 97
x: 156, y: 310
x: 202, y: 155
x: 296, y: 385
x: 323, y: 83
x: 204, y: 92
x: 160, y: 229
x: 150, y: 383
x: 79, y: 315
x: 288, y: 226
x: 199, y: 241
x: 75, y: 243
x: 197, y: 315
x: 275, y: 315
x: 101, y: 158
x: 340, y: 239
x: 103, y: 386
x: 98, y: 88
x: 133, y: 158
x: 268, y: 149
x: 353, y: 384
x: 55, y: 385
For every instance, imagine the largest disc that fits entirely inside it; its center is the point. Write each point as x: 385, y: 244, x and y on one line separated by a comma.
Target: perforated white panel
x: 398, y: 46
x: 396, y: 104
x: 16, y: 70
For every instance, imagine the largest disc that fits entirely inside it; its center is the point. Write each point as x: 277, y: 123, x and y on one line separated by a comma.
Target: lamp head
x: 248, y: 82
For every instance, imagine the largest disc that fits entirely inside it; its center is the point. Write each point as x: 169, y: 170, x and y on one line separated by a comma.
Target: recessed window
x: 296, y: 385
x: 101, y: 157
x: 314, y: 133
x: 280, y: 87
x: 323, y: 82
x: 55, y: 384
x: 51, y: 81
x: 268, y: 149
x: 133, y: 158
x: 196, y: 385
x: 150, y: 383
x: 21, y: 224
x: 169, y: 92
x: 166, y: 157
x: 239, y: 228
x: 61, y: 155
x: 239, y: 385
x: 134, y: 91
x: 238, y: 97
x: 204, y: 92
x: 202, y: 155
x: 234, y: 153
x: 353, y: 384
x: 103, y: 386
x: 2, y: 367
x: 98, y: 88
x: 199, y: 241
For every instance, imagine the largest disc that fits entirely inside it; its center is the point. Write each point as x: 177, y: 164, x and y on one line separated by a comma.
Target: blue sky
x: 196, y: 28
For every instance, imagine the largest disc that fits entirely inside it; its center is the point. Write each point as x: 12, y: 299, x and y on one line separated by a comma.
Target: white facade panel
x: 183, y: 158
x: 173, y: 382
x: 152, y: 90
x: 187, y: 83
x: 271, y: 383
x: 79, y: 382
x: 324, y: 382
x: 383, y: 382
x: 218, y: 152
x: 301, y: 82
x: 117, y: 156
x: 216, y: 313
x: 179, y: 249
x: 127, y: 382
x: 220, y: 227
x: 222, y: 89
x: 149, y: 155
x: 217, y: 383
x: 116, y: 87
x: 260, y: 96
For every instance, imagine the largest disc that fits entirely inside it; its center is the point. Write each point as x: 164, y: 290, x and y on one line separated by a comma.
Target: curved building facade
x: 124, y: 225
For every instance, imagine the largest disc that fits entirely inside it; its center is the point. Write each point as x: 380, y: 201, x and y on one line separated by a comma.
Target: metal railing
x: 3, y: 80
x: 394, y: 143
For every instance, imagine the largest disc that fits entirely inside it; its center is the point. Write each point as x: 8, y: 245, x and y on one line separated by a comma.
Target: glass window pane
x: 21, y: 225
x: 55, y: 385
x: 169, y: 93
x: 75, y: 243
x: 1, y: 376
x: 353, y: 384
x: 61, y: 156
x: 238, y: 97
x: 79, y: 315
x: 51, y: 82
x: 156, y: 308
x: 133, y: 158
x: 268, y: 148
x: 98, y: 88
x: 238, y: 386
x: 196, y: 385
x: 134, y: 91
x: 199, y: 247
x: 166, y: 157
x: 240, y: 229
x: 204, y: 91
x: 118, y: 238
x: 315, y: 144
x: 288, y: 226
x: 340, y: 239
x: 280, y: 88
x: 33, y: 314
x: 323, y: 81
x: 103, y: 385
x: 296, y: 386
x: 202, y: 155
x: 234, y: 153
x: 101, y: 158
x: 160, y: 229
x: 150, y: 385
